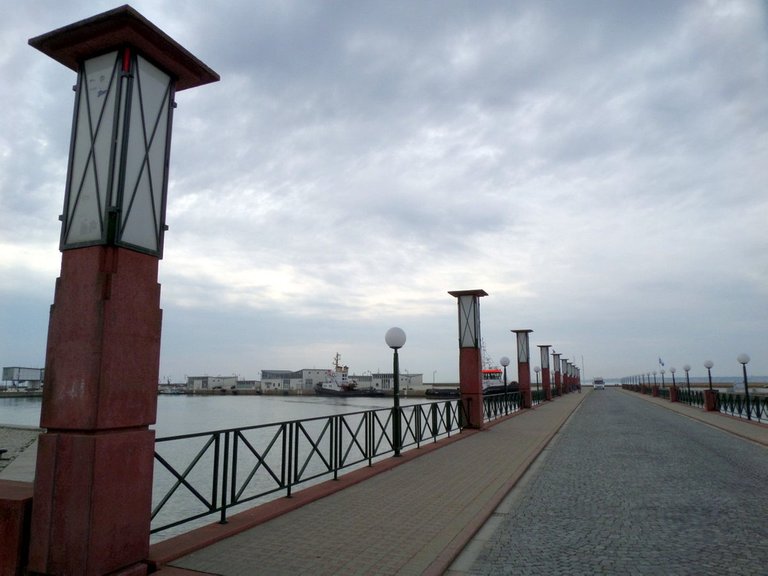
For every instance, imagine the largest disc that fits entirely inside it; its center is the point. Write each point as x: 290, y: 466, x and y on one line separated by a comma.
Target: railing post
x: 215, y: 478
x: 417, y: 408
x: 336, y: 445
x: 224, y: 480
x: 288, y: 456
x: 369, y: 436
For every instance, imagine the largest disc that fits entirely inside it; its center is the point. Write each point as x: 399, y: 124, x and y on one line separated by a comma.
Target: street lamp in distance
x: 504, y: 361
x: 743, y: 359
x: 687, y: 368
x: 395, y: 339
x: 708, y: 365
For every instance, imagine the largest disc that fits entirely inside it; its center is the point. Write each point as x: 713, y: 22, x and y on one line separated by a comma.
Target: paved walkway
x: 640, y: 486
x: 629, y: 488
x: 412, y: 519
x: 632, y: 498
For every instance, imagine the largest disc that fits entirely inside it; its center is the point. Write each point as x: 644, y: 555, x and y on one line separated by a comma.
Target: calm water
x: 179, y: 414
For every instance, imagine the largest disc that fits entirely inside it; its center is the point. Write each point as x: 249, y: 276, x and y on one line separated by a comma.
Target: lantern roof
x: 458, y: 293
x: 72, y: 44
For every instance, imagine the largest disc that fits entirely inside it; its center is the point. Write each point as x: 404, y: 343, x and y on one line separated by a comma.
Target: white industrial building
x: 303, y: 381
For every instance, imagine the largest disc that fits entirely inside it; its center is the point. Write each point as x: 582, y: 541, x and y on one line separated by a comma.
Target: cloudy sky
x: 598, y: 167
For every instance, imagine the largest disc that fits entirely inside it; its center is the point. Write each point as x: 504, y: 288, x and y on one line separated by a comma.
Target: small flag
x: 661, y: 362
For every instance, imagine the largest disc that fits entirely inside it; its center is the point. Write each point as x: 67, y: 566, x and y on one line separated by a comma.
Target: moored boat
x: 338, y: 383
x: 493, y: 382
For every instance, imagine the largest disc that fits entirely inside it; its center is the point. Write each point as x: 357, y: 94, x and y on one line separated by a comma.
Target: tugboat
x: 493, y: 382
x: 337, y: 383
x: 493, y: 377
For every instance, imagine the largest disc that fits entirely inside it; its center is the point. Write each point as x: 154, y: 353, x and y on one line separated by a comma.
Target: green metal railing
x: 753, y: 407
x: 208, y: 473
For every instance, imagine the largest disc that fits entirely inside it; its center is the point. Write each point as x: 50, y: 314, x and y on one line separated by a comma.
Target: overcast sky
x: 598, y: 167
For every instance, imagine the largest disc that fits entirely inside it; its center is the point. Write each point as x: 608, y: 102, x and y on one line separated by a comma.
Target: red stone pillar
x: 545, y: 377
x: 558, y: 375
x: 524, y: 367
x: 564, y: 370
x: 471, y: 385
x: 470, y: 355
x: 710, y: 400
x: 673, y: 394
x: 93, y: 483
x: 15, y: 510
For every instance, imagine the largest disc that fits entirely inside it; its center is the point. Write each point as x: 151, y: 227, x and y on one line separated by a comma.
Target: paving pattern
x: 630, y: 488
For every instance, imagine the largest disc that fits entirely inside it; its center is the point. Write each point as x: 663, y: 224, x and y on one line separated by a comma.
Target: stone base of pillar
x: 471, y: 386
x: 673, y: 394
x: 710, y: 400
x: 472, y: 416
x: 526, y: 398
x: 547, y: 392
x: 96, y: 516
x: 655, y: 391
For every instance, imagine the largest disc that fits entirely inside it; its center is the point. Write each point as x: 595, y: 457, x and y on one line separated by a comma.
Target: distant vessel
x: 493, y: 381
x: 337, y: 383
x: 443, y: 392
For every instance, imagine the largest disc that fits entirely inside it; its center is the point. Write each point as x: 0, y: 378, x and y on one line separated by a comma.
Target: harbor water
x: 182, y: 414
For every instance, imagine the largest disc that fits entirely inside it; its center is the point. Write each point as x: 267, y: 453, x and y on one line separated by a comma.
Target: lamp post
x: 537, y: 370
x: 524, y: 367
x: 504, y: 361
x: 708, y: 365
x: 673, y: 395
x: 470, y: 356
x: 662, y: 378
x: 743, y: 359
x: 93, y: 481
x: 395, y: 339
x: 687, y: 368
x: 545, y: 376
x: 710, y: 396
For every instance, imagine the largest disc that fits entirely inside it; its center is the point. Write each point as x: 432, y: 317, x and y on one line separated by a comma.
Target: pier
x: 606, y: 481
x: 617, y: 483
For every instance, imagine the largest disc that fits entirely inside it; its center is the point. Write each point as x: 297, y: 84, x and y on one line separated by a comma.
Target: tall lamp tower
x: 93, y: 483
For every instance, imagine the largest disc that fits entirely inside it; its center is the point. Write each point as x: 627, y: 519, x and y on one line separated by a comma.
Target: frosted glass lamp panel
x: 90, y: 152
x: 145, y: 162
x: 469, y: 322
x: 544, y: 358
x: 522, y: 347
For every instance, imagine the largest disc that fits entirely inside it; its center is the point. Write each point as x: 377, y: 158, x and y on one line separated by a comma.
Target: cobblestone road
x: 630, y: 488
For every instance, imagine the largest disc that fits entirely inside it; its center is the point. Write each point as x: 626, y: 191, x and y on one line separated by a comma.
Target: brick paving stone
x: 399, y: 521
x: 628, y: 487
